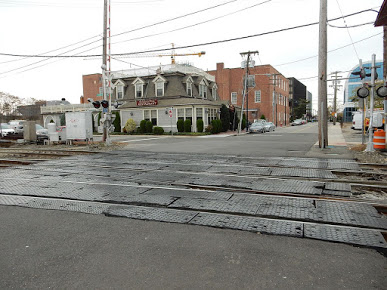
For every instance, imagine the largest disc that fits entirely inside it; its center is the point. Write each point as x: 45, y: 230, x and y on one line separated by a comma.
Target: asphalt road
x: 286, y: 141
x: 43, y: 249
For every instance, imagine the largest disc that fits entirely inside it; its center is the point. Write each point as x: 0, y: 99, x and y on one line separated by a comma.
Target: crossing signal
x: 361, y: 73
x: 105, y: 104
x: 382, y: 91
x: 96, y: 104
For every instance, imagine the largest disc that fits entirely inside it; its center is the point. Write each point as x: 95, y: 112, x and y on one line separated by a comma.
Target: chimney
x: 219, y: 66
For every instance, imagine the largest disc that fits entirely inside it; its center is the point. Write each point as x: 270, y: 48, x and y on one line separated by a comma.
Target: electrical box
x: 29, y: 131
x: 79, y: 126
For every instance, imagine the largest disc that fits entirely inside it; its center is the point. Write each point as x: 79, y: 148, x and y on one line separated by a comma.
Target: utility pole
x: 104, y: 41
x: 335, y: 86
x: 322, y: 75
x: 106, y: 69
x: 370, y: 145
x: 245, y: 91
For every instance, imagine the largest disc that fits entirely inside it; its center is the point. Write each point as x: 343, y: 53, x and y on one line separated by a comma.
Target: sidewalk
x: 337, y: 146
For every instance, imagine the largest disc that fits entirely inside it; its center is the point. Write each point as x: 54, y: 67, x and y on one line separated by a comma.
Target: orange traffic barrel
x: 380, y: 139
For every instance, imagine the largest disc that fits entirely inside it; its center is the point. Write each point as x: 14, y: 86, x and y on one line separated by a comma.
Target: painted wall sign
x: 147, y: 103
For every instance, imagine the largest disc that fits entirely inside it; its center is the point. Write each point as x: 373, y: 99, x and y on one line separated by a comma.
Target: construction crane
x: 173, y: 54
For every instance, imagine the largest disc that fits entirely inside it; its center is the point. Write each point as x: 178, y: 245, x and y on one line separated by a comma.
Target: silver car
x: 269, y: 126
x: 6, y: 130
x: 256, y: 128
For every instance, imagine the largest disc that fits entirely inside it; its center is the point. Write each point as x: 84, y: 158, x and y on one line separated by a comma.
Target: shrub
x: 180, y: 125
x: 243, y: 124
x: 225, y: 118
x: 148, y: 127
x: 158, y: 130
x: 216, y: 126
x: 130, y: 126
x: 199, y: 125
x: 142, y: 126
x: 208, y: 129
x: 263, y: 117
x: 187, y: 125
x: 117, y: 122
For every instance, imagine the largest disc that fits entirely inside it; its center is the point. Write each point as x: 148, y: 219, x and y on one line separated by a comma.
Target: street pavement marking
x: 129, y: 141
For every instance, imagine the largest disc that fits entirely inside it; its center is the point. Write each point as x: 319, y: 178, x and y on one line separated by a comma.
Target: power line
x: 175, y: 18
x: 195, y: 45
x: 349, y: 34
x: 352, y: 26
x: 314, y: 56
x: 63, y: 47
x: 193, y: 25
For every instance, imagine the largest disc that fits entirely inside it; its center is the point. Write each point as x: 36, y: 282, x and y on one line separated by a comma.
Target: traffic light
x: 105, y: 104
x: 96, y: 104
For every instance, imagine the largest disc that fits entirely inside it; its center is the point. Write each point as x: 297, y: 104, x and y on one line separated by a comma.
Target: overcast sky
x: 75, y: 27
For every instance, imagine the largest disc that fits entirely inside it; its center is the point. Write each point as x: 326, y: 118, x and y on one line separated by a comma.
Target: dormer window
x: 139, y: 90
x: 159, y: 89
x: 203, y: 88
x: 188, y: 85
x: 189, y: 89
x: 215, y: 92
x: 120, y: 92
x: 203, y: 91
x: 119, y: 85
x: 138, y: 87
x: 159, y: 82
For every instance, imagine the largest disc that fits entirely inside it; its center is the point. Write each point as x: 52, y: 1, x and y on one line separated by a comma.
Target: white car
x: 6, y: 130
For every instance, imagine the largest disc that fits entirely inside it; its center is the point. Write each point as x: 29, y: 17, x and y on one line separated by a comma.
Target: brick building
x: 92, y: 88
x: 269, y: 96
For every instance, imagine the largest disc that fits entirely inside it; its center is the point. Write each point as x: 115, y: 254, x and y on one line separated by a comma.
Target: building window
x: 211, y: 115
x: 159, y: 89
x: 203, y: 91
x: 151, y: 115
x: 257, y: 96
x: 188, y: 114
x: 189, y: 89
x: 120, y: 92
x: 180, y: 114
x: 233, y: 98
x: 214, y: 93
x: 139, y: 90
x: 199, y: 113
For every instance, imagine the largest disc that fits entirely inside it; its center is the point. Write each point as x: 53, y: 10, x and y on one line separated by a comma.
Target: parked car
x: 297, y: 122
x: 16, y: 123
x: 6, y: 130
x: 40, y: 130
x: 269, y: 126
x: 257, y: 127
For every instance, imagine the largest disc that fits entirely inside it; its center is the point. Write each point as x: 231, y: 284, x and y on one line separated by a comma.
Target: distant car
x: 40, y: 130
x: 269, y: 126
x: 261, y: 122
x: 6, y: 130
x: 16, y: 123
x: 297, y: 122
x: 257, y: 127
x: 304, y: 121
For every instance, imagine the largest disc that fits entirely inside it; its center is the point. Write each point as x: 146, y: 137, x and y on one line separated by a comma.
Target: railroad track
x: 366, y: 236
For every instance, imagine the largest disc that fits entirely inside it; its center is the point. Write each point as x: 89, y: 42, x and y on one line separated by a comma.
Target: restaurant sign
x: 147, y: 103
